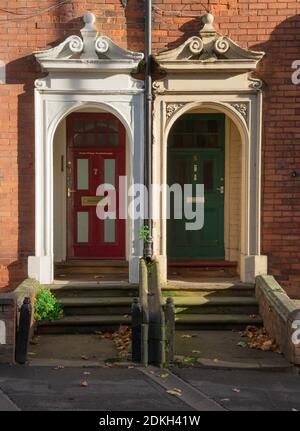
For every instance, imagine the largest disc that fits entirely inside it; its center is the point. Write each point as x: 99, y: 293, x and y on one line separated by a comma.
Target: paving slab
x: 6, y: 405
x: 81, y: 350
x: 106, y: 389
x: 224, y: 349
x: 246, y: 390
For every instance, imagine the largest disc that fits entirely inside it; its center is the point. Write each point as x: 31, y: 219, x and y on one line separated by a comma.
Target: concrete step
x: 216, y: 321
x: 94, y: 289
x: 216, y: 305
x: 73, y: 306
x: 221, y: 288
x: 83, y: 324
x: 92, y: 267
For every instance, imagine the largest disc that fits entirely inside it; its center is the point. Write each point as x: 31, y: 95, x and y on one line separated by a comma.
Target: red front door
x: 96, y: 155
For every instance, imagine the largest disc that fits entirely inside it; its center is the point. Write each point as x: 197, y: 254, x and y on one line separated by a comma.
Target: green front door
x: 196, y: 156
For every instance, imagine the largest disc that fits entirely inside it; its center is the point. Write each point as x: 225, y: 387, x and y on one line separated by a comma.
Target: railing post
x: 136, y: 316
x: 23, y: 332
x: 143, y: 292
x: 170, y: 329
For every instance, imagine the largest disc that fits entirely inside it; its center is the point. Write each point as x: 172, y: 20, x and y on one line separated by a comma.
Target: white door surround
x: 83, y: 73
x: 208, y: 72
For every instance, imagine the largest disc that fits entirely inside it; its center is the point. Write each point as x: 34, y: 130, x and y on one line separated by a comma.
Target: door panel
x: 196, y: 156
x: 96, y: 155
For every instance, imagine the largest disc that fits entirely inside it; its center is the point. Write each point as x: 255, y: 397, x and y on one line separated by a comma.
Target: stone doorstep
x: 259, y: 366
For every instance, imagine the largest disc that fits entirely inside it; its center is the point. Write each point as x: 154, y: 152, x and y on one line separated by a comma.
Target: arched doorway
x: 89, y: 150
x: 103, y: 83
x: 196, y: 155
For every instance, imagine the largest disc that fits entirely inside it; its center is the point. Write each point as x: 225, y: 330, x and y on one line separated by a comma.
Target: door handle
x: 70, y: 191
x: 221, y: 189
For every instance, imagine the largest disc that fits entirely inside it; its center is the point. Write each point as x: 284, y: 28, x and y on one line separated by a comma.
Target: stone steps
x: 105, y: 306
x: 83, y: 324
x: 93, y: 306
x: 215, y: 305
x: 89, y: 267
x: 215, y: 321
x: 94, y: 289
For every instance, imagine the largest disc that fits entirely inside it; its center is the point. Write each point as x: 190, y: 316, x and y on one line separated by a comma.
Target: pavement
x: 32, y: 388
x: 213, y: 372
x: 108, y: 389
x: 71, y: 350
x: 246, y: 390
x: 224, y: 349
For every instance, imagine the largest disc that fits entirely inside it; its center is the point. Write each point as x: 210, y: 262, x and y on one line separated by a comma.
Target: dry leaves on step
x: 186, y: 336
x: 83, y: 383
x: 260, y: 339
x: 84, y: 357
x: 121, y: 338
x: 175, y: 391
x: 237, y: 390
x: 196, y: 351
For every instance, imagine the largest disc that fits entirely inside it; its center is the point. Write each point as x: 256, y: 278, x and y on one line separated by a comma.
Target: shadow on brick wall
x: 20, y: 76
x: 281, y: 149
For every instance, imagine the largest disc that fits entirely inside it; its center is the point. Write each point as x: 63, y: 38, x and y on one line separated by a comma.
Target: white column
x: 40, y: 266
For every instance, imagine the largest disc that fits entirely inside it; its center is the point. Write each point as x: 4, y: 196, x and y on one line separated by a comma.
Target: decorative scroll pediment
x: 207, y: 49
x: 90, y: 51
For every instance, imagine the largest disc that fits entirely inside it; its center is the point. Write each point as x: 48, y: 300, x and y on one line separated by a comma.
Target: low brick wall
x: 10, y: 304
x: 280, y: 315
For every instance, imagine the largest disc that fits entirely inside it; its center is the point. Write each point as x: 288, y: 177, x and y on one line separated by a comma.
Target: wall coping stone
x: 277, y: 297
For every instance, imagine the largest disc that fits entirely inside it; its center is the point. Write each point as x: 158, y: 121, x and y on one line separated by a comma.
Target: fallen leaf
x: 242, y: 344
x: 109, y: 364
x: 59, y: 367
x: 84, y: 357
x: 260, y: 339
x: 86, y: 373
x: 164, y: 376
x: 83, y: 383
x: 237, y: 390
x: 175, y: 391
x: 225, y: 399
x: 186, y: 336
x: 130, y: 367
x: 216, y: 360
x: 196, y: 351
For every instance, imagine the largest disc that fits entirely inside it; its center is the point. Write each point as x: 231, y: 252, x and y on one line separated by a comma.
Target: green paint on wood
x: 196, y: 156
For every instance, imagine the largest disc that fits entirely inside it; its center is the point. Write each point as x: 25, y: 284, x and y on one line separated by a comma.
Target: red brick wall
x: 269, y: 25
